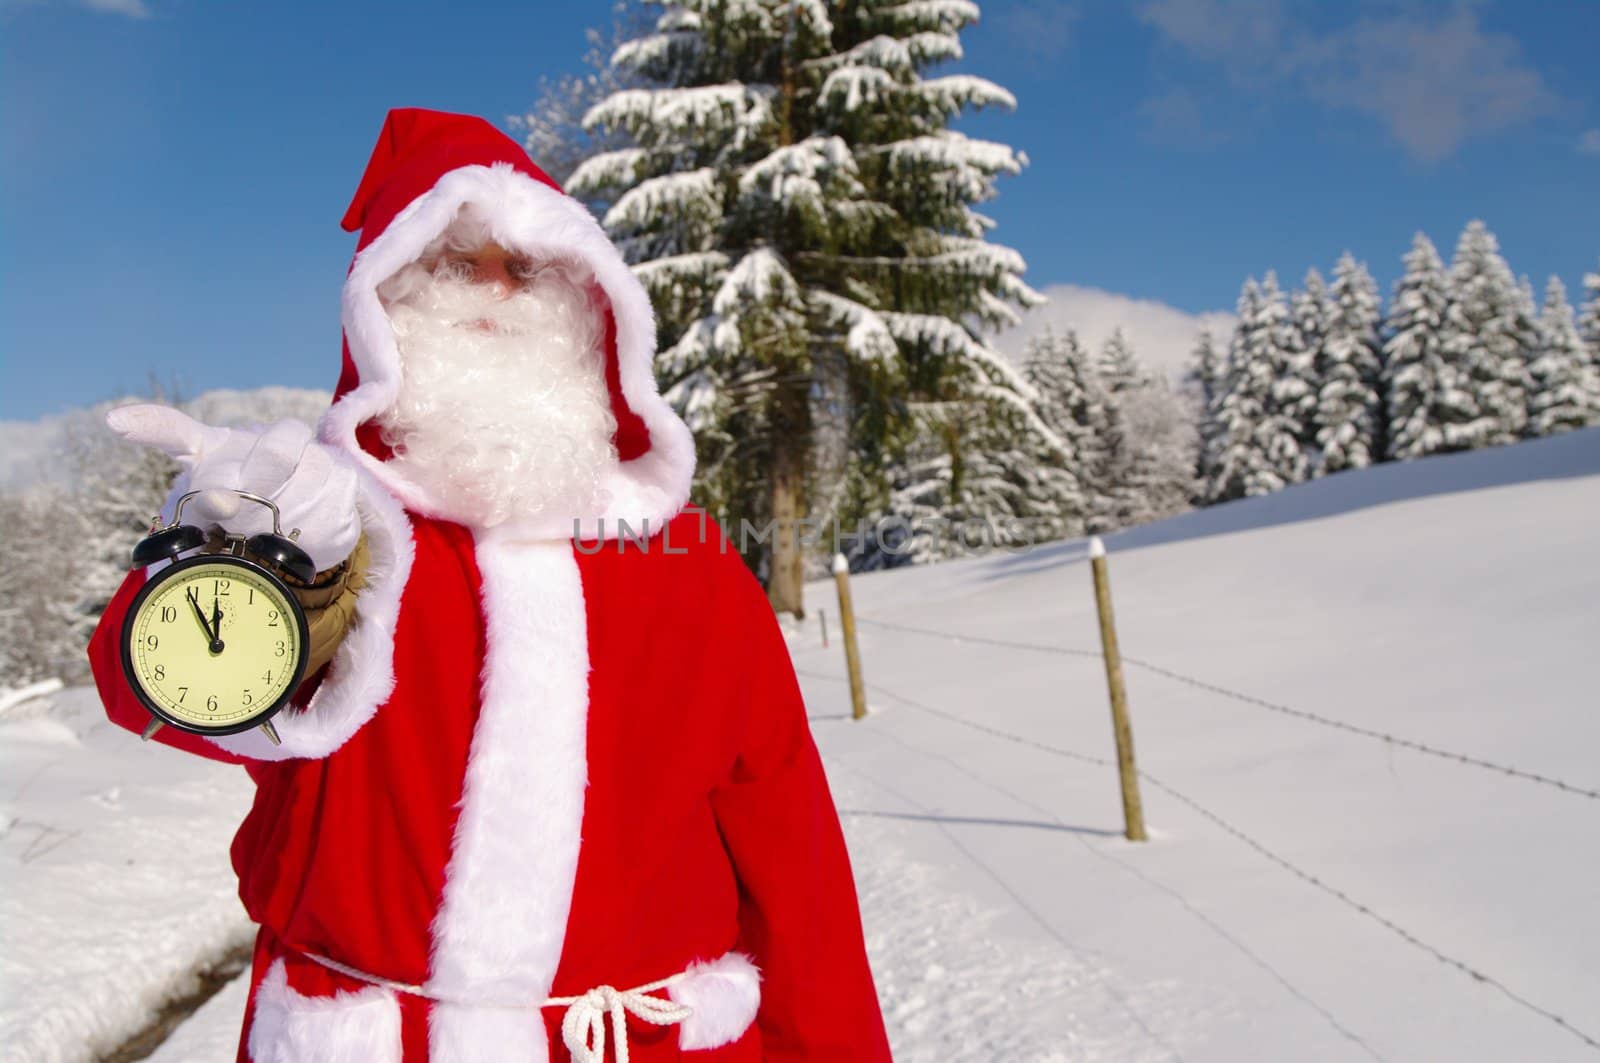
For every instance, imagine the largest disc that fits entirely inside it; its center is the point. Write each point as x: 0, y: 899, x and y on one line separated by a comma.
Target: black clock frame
x: 154, y: 583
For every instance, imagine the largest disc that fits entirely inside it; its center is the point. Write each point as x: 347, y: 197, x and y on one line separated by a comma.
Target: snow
x: 743, y: 109
x: 212, y: 1034
x: 943, y: 14
x: 1310, y: 892
x: 606, y: 170
x: 117, y: 877
x: 793, y: 177
x: 761, y: 278
x: 968, y: 165
x: 869, y: 337
x: 11, y: 699
x: 955, y: 92
x: 691, y: 196
x: 851, y: 88
x: 1404, y: 598
x: 903, y: 56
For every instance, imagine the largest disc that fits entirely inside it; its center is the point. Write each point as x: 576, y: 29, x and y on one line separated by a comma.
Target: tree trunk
x: 791, y: 442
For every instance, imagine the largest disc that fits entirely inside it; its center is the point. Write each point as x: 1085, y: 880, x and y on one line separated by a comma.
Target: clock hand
x: 205, y: 625
x: 216, y: 625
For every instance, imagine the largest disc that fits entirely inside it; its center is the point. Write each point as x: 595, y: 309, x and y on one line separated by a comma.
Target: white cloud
x: 1432, y: 79
x: 1589, y: 142
x: 1163, y: 337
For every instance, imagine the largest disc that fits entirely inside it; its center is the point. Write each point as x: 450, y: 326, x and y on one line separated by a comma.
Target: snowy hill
x: 1364, y: 708
x: 27, y: 447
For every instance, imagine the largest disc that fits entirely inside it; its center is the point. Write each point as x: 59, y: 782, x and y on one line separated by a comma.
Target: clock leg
x: 151, y: 728
x: 272, y: 732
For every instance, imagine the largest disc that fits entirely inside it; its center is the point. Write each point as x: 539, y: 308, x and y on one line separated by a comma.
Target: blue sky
x: 174, y: 171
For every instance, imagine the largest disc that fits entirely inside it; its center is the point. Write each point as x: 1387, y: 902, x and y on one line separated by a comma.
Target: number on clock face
x: 216, y: 645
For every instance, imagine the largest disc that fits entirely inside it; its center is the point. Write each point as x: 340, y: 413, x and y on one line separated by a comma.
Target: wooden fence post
x: 847, y: 624
x: 1132, y: 808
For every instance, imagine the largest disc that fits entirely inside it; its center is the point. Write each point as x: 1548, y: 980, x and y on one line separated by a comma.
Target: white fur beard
x: 502, y: 411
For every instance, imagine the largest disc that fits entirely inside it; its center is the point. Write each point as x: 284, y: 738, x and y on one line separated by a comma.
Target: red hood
x: 425, y: 165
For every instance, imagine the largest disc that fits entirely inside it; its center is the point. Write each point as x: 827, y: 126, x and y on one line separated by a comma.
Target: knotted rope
x: 583, y: 1027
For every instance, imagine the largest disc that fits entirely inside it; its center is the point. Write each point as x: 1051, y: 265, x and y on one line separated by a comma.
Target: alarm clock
x: 216, y: 643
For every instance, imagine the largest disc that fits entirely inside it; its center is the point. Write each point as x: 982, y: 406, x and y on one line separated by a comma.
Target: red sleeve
x: 799, y: 918
x: 122, y: 707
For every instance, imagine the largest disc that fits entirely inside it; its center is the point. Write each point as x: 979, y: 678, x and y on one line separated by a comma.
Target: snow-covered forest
x: 786, y: 180
x: 1325, y: 379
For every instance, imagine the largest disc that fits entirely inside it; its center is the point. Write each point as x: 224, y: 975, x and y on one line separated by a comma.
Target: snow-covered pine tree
x: 1207, y: 368
x: 1298, y: 388
x: 1157, y: 479
x: 1293, y: 399
x: 1258, y: 449
x: 1565, y: 389
x: 1235, y: 464
x: 1116, y: 366
x: 1206, y: 380
x: 1348, y: 416
x: 1138, y: 442
x: 1058, y: 368
x: 1430, y: 408
x: 1108, y: 476
x: 1589, y: 318
x: 970, y: 480
x: 793, y: 198
x: 1490, y: 332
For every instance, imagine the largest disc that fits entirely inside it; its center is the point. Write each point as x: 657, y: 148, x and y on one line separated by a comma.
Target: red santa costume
x: 552, y: 761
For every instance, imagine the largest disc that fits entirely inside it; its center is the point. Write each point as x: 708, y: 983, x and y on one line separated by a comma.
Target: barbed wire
x: 1216, y: 818
x: 1087, y: 758
x: 1250, y: 699
x: 1366, y: 910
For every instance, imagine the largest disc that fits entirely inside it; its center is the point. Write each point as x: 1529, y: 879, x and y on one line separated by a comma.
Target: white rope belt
x: 583, y: 1027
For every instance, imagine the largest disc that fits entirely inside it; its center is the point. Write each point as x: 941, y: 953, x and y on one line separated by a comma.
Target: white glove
x: 313, y: 487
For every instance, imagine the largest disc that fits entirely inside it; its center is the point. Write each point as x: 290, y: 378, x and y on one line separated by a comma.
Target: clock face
x: 214, y: 644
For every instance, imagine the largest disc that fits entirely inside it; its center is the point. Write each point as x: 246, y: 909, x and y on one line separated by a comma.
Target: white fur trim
x: 460, y: 1033
x: 290, y: 1027
x: 725, y: 994
x: 508, y: 887
x: 361, y: 675
x: 528, y: 216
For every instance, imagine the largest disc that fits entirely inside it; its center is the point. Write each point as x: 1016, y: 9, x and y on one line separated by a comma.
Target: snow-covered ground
x: 1311, y: 891
x: 117, y: 884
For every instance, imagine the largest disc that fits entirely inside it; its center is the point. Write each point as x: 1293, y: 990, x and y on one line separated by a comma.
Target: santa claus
x: 550, y: 791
